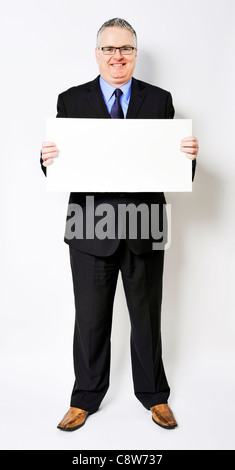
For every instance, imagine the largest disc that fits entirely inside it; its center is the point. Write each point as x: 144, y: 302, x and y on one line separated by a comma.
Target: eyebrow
x: 125, y: 45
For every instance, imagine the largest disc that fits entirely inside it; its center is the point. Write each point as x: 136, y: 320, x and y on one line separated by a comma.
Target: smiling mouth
x: 117, y: 65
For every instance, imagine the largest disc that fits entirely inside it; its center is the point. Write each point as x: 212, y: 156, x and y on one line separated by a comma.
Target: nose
x: 118, y: 54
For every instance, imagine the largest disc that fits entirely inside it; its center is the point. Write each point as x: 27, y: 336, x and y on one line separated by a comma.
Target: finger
x: 47, y: 148
x: 192, y: 150
x: 52, y: 148
x: 48, y: 144
x: 189, y: 143
x: 47, y: 155
x: 189, y: 138
x: 48, y: 162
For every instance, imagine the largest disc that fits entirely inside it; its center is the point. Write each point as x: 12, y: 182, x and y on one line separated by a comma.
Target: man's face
x: 116, y: 69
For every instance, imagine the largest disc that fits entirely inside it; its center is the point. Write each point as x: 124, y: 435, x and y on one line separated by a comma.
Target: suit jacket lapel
x: 138, y: 94
x: 97, y: 102
x: 96, y: 99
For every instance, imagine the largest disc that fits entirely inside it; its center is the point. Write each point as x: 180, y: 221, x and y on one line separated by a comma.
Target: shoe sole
x: 165, y: 427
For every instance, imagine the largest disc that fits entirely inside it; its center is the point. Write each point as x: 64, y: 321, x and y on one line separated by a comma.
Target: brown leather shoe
x: 74, y: 419
x: 163, y: 416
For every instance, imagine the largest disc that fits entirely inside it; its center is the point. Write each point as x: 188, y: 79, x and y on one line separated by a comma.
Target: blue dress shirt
x: 109, y: 97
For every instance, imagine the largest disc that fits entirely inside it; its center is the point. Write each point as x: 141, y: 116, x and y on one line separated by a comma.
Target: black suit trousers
x: 94, y: 281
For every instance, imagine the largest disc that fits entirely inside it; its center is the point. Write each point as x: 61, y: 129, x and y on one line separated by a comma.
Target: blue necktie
x: 116, y: 111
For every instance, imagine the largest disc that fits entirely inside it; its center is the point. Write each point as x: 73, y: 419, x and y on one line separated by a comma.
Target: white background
x: 187, y: 48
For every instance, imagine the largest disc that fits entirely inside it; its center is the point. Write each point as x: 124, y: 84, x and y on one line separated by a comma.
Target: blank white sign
x: 119, y: 155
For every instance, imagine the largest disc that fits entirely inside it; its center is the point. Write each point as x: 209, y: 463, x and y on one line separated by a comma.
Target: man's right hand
x: 49, y: 151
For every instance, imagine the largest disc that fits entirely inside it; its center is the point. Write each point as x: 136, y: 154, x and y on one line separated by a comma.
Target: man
x: 95, y: 263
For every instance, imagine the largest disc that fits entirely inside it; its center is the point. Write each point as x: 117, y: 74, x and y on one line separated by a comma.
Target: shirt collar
x: 108, y: 89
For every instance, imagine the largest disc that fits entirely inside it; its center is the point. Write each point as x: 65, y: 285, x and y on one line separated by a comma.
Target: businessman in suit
x: 95, y: 263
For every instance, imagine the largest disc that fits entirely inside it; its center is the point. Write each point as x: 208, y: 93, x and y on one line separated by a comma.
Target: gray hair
x: 119, y: 23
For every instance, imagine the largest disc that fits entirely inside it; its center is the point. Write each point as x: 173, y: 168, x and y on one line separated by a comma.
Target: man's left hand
x: 189, y: 145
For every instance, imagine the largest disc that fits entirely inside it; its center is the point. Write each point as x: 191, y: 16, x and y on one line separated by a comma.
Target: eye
x: 108, y: 49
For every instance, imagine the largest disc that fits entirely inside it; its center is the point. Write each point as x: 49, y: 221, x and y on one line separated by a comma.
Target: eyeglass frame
x: 115, y: 49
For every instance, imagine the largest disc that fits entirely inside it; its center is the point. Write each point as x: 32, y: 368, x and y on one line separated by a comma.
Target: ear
x: 96, y: 54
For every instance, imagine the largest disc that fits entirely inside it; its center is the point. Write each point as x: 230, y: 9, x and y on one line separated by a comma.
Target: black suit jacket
x: 86, y: 101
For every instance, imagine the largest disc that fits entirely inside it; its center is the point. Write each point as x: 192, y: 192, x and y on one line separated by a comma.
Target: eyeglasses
x: 124, y: 50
